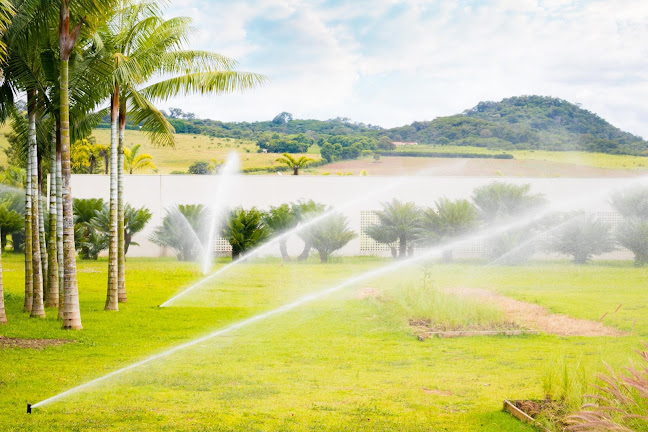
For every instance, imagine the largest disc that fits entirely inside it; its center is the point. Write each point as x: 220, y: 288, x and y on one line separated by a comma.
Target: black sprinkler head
x: 28, y: 408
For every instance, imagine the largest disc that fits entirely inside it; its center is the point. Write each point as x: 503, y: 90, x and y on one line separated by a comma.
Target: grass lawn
x: 348, y: 361
x: 599, y: 160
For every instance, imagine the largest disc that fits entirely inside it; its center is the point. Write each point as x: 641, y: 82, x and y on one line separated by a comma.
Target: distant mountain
x: 522, y: 122
x: 525, y: 122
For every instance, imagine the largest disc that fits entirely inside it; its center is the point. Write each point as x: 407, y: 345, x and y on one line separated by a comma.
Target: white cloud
x: 391, y: 62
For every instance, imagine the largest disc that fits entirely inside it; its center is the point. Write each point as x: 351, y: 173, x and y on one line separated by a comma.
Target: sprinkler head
x: 28, y: 408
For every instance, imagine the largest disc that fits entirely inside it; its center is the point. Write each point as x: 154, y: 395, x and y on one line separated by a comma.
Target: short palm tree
x: 181, y: 230
x: 401, y: 221
x: 447, y: 220
x: 304, y: 211
x: 244, y: 230
x: 281, y: 219
x: 329, y: 235
x: 134, y: 162
x: 295, y: 164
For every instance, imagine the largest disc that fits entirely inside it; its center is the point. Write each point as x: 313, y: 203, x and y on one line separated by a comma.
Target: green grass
x: 343, y: 362
x: 599, y: 160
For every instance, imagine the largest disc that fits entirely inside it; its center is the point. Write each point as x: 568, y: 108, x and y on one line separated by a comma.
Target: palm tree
x: 134, y: 162
x: 144, y: 47
x: 293, y: 163
x: 304, y: 211
x: 281, y: 219
x: 244, y: 230
x: 67, y: 40
x: 134, y: 221
x: 3, y: 315
x: 329, y: 235
x: 401, y: 221
x: 181, y: 229
x: 448, y: 220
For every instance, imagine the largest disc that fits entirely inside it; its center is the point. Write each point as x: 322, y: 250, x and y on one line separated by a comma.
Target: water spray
x: 275, y: 240
x: 427, y: 254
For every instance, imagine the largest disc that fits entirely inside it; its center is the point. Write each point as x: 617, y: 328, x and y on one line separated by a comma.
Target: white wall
x: 351, y: 194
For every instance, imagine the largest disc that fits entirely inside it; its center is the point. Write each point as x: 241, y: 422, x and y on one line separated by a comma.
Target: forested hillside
x: 524, y: 122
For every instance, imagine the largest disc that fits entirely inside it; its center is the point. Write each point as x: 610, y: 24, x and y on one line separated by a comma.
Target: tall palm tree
x: 3, y: 315
x: 145, y: 46
x: 134, y: 162
x: 294, y: 164
x: 67, y: 40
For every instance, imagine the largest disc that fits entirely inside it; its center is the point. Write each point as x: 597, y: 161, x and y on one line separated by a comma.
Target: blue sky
x: 391, y: 62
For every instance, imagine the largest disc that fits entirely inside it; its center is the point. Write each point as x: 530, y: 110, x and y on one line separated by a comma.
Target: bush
x: 88, y: 241
x: 329, y: 235
x: 182, y: 228
x: 582, y: 238
x: 632, y: 234
x: 200, y: 168
x: 244, y: 230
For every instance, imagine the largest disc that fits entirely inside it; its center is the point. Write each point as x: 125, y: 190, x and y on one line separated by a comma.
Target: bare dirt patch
x: 37, y: 344
x: 366, y: 293
x: 536, y: 317
x: 472, y: 167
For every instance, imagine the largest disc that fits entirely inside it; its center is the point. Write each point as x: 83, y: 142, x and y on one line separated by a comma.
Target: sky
x: 392, y: 62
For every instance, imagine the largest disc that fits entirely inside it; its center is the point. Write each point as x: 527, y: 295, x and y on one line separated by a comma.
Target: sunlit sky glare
x: 391, y: 62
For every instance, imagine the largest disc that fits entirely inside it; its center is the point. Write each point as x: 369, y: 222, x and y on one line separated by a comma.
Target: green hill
x: 516, y: 123
x: 525, y: 122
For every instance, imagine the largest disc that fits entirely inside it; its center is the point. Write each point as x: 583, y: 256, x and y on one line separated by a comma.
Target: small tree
x: 199, y: 168
x: 632, y: 202
x: 181, y: 229
x: 632, y: 234
x: 281, y: 219
x: 400, y: 220
x: 500, y: 202
x: 135, y: 219
x: 497, y: 201
x: 448, y: 220
x: 305, y: 211
x: 88, y: 242
x: 134, y: 162
x: 244, y: 230
x: 293, y: 163
x: 583, y: 238
x: 329, y: 235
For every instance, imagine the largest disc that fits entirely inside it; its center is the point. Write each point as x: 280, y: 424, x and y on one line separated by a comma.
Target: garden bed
x: 530, y: 411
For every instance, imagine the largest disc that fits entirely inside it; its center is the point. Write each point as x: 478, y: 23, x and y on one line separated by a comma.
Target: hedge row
x: 446, y: 154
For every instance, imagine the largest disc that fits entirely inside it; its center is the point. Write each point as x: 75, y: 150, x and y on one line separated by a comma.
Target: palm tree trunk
x: 112, y: 293
x: 38, y: 308
x: 59, y: 219
x: 3, y: 315
x: 307, y: 247
x: 121, y: 250
x: 71, y: 311
x: 29, y: 277
x: 52, y: 298
x: 283, y: 248
x: 42, y: 200
x: 402, y: 247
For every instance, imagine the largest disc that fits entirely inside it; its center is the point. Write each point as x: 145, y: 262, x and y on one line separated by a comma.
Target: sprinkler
x: 28, y: 408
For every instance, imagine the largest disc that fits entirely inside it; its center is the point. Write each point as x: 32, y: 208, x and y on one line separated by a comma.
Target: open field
x: 193, y: 148
x: 349, y: 361
x: 470, y: 167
